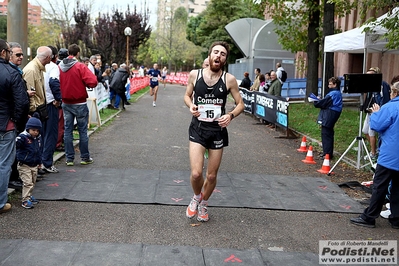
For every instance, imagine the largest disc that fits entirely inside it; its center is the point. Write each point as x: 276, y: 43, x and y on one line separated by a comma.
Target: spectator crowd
x: 40, y: 106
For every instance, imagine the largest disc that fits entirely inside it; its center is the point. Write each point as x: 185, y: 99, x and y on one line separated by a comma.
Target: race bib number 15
x: 209, y: 112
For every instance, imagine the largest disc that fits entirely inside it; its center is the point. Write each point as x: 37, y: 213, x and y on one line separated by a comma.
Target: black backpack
x: 283, y: 75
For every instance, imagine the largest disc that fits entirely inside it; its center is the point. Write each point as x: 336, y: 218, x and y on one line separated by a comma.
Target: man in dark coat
x: 118, y: 83
x: 13, y: 102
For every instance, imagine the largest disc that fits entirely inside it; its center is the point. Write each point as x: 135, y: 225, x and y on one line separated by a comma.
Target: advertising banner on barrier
x: 138, y: 83
x: 270, y: 108
x: 178, y: 78
x: 100, y: 94
x: 248, y: 99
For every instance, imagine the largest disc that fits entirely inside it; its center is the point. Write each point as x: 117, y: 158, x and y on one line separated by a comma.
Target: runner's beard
x: 215, y: 68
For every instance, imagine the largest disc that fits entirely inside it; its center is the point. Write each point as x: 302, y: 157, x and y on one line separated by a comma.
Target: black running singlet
x: 211, y: 101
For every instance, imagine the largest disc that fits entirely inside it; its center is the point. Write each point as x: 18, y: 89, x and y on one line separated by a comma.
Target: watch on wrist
x: 231, y: 116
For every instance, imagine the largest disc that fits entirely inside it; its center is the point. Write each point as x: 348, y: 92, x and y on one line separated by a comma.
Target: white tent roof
x: 358, y: 41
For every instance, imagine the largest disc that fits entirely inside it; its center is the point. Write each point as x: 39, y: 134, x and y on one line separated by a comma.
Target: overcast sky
x: 104, y: 6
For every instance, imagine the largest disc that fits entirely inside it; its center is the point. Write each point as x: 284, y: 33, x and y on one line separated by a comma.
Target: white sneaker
x: 385, y: 214
x: 51, y: 169
x: 154, y: 104
x: 373, y: 157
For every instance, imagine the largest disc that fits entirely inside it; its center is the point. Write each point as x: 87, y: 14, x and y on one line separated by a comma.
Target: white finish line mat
x: 50, y: 253
x: 82, y: 183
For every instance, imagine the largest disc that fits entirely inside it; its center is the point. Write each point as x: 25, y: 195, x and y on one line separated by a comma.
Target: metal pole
x: 324, y: 76
x: 17, y: 24
x: 127, y: 50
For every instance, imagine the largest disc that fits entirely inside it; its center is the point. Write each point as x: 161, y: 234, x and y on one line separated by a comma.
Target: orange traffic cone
x: 309, y: 156
x: 302, y: 148
x: 325, y: 168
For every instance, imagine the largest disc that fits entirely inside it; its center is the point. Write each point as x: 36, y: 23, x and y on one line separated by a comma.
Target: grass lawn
x: 302, y: 118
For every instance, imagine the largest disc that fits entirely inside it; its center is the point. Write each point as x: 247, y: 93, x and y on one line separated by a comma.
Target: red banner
x: 138, y: 83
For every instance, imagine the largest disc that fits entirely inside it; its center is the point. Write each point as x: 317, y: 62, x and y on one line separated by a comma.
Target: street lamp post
x: 128, y: 32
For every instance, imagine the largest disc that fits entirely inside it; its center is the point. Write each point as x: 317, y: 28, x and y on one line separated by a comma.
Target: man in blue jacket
x: 385, y: 121
x: 13, y: 101
x: 331, y: 108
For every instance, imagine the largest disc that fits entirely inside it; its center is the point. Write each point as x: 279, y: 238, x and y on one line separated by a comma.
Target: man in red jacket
x: 74, y: 78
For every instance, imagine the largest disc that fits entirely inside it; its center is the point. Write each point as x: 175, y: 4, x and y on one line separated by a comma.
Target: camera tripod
x: 360, y: 142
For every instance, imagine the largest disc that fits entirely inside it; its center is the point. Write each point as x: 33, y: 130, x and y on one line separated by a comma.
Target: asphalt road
x: 147, y: 137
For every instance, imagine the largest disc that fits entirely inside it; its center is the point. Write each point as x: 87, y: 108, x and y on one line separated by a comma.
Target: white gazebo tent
x: 358, y: 41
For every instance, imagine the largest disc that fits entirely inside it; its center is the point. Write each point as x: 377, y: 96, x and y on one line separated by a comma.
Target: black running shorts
x: 209, y: 139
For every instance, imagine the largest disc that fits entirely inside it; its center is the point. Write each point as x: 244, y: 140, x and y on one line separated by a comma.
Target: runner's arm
x: 232, y: 85
x: 188, y: 96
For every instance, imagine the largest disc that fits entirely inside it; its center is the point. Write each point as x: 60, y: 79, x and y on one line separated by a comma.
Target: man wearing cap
x: 13, y: 102
x: 53, y: 100
x: 62, y: 53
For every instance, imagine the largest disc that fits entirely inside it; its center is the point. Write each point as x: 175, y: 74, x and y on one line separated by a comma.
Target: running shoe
x: 69, y: 163
x: 86, y: 161
x: 51, y: 169
x: 192, y: 208
x: 385, y: 214
x: 6, y: 208
x: 34, y: 200
x: 202, y: 212
x: 373, y: 156
x: 154, y: 104
x: 27, y: 204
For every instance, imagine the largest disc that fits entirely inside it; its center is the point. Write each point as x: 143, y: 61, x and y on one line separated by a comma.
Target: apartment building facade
x: 34, y: 12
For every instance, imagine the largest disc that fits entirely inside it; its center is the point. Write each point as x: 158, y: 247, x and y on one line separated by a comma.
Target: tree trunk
x: 313, y: 48
x: 328, y: 29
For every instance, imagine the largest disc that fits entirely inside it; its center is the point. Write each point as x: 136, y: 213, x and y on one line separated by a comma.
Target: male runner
x: 206, y: 97
x: 154, y: 75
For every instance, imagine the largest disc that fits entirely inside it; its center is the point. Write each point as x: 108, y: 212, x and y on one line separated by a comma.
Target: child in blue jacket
x: 29, y: 158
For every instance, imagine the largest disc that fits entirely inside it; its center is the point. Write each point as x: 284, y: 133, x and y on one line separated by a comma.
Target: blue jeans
x: 50, y: 136
x: 128, y: 91
x: 81, y: 113
x: 7, y: 156
x: 113, y: 94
